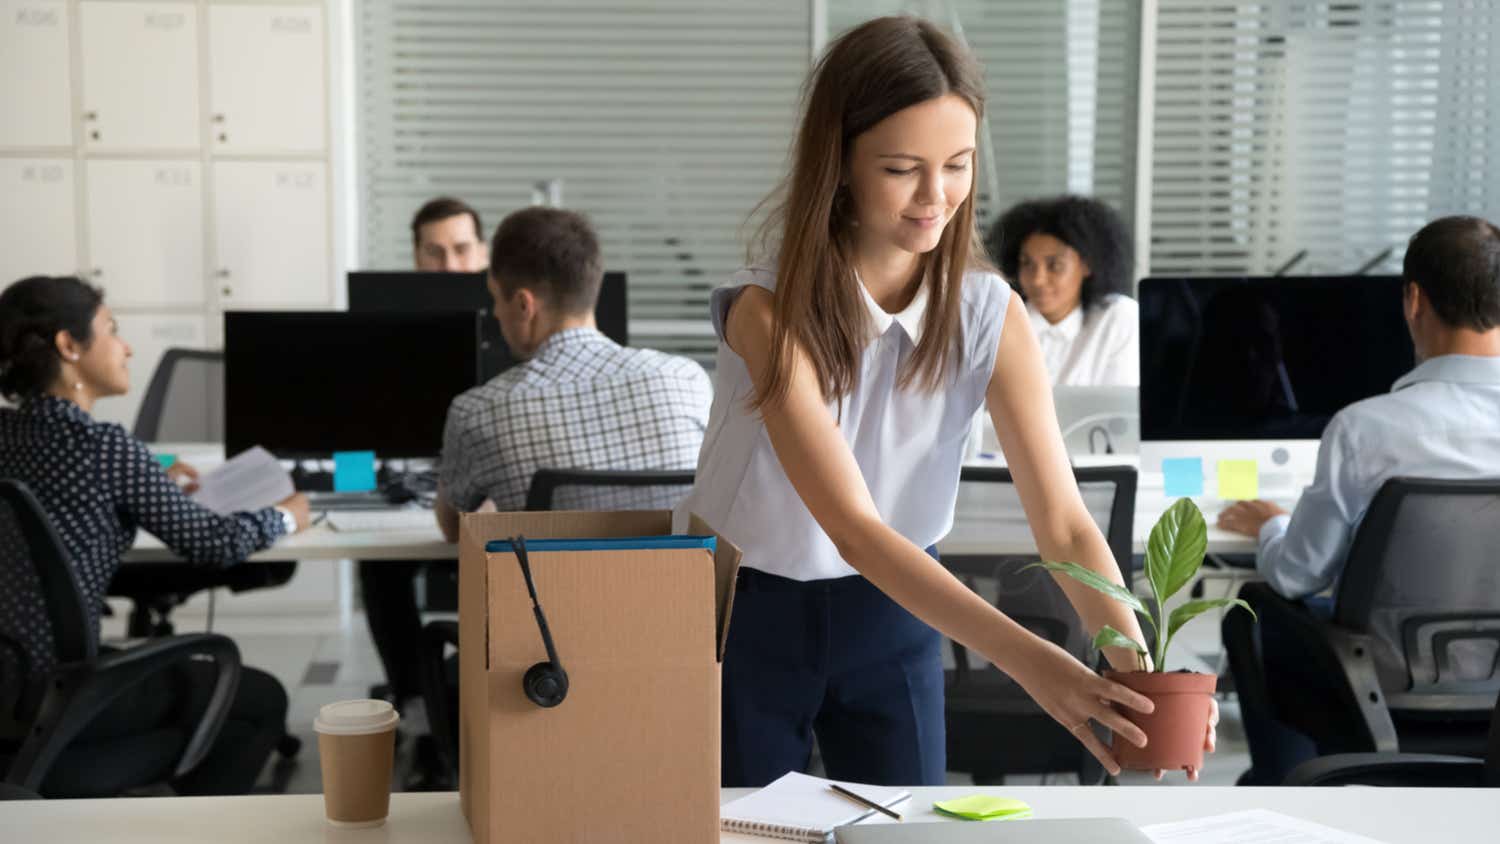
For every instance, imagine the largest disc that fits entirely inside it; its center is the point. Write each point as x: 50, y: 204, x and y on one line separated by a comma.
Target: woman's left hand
x: 178, y: 471
x: 1209, y: 741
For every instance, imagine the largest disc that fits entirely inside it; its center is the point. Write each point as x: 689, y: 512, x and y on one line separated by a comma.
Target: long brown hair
x: 868, y: 74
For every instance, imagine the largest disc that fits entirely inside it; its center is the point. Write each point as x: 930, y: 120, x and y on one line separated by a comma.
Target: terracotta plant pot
x: 1176, y: 729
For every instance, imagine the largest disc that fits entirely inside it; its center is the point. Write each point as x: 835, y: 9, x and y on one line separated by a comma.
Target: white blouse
x: 1099, y: 347
x: 909, y: 444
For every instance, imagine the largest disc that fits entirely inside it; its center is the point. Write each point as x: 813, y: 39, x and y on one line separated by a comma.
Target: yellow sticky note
x: 983, y: 807
x: 1239, y: 480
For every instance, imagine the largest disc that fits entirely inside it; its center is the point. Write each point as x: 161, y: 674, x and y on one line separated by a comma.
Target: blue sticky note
x: 1184, y: 476
x: 166, y: 460
x: 353, y: 471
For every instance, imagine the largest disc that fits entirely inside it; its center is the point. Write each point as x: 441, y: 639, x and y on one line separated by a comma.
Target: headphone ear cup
x: 545, y: 684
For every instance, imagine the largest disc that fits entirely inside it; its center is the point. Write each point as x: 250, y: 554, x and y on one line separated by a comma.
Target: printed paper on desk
x: 1254, y: 826
x: 250, y: 480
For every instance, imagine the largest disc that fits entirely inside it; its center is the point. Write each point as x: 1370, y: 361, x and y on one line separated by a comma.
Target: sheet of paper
x: 250, y: 480
x: 1239, y: 480
x: 1255, y: 826
x: 1183, y: 476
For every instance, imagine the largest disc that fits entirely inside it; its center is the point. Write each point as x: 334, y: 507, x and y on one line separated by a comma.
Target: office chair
x: 994, y: 727
x: 54, y: 682
x: 1413, y: 647
x: 184, y: 403
x: 603, y: 489
x: 439, y: 671
x: 1406, y: 769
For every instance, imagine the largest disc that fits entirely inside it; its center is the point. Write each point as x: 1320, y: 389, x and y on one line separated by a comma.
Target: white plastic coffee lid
x: 356, y: 717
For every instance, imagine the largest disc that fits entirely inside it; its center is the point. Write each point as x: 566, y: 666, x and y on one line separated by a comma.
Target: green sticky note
x: 1239, y: 480
x: 166, y: 460
x: 983, y: 807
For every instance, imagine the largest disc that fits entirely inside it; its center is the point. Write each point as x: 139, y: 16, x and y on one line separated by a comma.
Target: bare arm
x: 821, y: 468
x: 1020, y: 403
x: 447, y: 516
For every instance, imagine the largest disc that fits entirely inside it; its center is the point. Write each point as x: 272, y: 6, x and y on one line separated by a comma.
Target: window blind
x: 666, y: 121
x: 1333, y: 127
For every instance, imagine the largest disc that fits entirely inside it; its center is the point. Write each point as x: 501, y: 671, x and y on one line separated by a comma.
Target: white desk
x: 987, y: 521
x: 1391, y: 815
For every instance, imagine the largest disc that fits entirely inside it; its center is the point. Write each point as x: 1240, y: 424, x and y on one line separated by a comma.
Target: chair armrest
x: 78, y: 692
x: 1340, y: 652
x: 436, y: 637
x: 1391, y: 769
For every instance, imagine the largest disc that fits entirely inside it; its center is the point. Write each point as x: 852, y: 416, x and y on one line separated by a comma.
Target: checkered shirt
x: 582, y: 402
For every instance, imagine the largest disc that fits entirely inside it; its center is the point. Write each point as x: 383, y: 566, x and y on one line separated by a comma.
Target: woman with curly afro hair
x: 1071, y: 259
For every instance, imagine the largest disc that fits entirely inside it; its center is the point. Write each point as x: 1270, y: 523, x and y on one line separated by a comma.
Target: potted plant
x: 1176, y: 728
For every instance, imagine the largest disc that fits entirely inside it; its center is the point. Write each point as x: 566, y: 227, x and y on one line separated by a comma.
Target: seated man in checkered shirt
x: 578, y: 400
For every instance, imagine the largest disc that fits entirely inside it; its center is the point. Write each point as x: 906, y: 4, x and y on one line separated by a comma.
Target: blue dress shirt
x: 1441, y: 420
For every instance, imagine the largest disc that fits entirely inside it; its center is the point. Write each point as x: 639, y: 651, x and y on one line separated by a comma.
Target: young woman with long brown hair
x: 850, y: 365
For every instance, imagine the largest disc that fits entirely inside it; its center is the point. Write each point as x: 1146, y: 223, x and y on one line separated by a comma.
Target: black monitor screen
x: 1265, y: 358
x: 309, y: 384
x: 409, y: 292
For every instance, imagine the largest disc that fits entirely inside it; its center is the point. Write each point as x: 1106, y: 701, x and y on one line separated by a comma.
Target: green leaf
x: 1108, y: 637
x: 1192, y: 609
x: 1088, y: 577
x: 1175, y: 549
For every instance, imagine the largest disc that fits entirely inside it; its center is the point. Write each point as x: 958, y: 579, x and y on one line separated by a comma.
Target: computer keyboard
x: 374, y: 520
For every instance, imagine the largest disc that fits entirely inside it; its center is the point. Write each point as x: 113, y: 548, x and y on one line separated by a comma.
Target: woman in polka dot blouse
x: 59, y: 353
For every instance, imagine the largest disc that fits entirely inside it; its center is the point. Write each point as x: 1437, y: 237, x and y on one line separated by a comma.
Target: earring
x: 78, y: 385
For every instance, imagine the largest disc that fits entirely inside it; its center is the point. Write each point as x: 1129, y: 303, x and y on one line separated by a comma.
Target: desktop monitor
x: 307, y: 384
x: 409, y: 292
x: 1253, y: 368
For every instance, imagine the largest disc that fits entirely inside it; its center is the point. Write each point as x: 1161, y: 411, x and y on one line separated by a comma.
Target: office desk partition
x: 1394, y: 815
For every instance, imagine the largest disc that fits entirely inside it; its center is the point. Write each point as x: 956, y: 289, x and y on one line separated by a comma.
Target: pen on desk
x: 869, y: 804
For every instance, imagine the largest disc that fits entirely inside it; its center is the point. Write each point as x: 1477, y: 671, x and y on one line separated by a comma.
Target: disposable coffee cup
x: 357, y: 747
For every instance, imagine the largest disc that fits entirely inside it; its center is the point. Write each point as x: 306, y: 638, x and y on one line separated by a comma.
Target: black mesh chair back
x: 44, y: 619
x: 606, y: 490
x: 54, y: 680
x: 985, y: 708
x: 185, y: 400
x: 1422, y: 580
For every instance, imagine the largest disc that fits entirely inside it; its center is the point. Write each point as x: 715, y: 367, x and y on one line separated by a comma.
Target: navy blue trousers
x: 1276, y: 748
x: 835, y: 658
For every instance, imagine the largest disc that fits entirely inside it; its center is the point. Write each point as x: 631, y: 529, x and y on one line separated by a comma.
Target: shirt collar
x: 909, y: 318
x: 50, y: 405
x: 566, y: 338
x: 1453, y: 369
x: 1067, y: 329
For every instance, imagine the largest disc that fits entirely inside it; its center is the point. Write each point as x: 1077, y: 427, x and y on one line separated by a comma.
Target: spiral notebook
x: 799, y: 807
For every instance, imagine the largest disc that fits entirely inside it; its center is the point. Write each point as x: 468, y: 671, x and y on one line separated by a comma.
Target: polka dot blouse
x: 98, y: 485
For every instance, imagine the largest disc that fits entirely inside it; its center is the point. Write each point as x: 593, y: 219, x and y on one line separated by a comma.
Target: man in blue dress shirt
x: 1441, y: 420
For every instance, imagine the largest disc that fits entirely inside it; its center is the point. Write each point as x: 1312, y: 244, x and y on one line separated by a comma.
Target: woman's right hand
x: 1073, y: 695
x: 297, y: 505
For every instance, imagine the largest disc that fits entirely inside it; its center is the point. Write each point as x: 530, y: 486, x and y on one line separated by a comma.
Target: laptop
x: 1065, y: 831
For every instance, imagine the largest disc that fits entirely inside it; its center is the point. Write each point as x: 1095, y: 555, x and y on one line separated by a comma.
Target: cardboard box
x: 632, y: 753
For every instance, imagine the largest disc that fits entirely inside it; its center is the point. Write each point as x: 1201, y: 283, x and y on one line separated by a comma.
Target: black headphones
x: 546, y: 683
